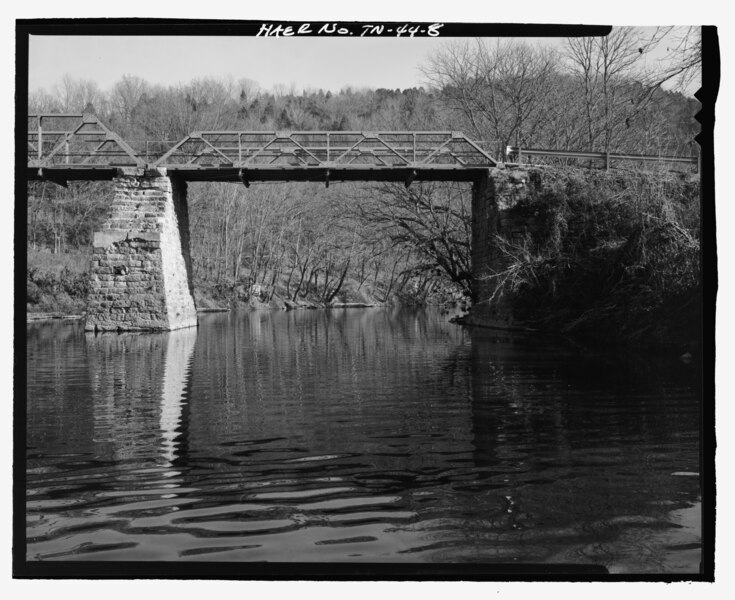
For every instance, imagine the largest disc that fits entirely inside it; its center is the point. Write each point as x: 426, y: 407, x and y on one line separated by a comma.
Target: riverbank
x: 606, y: 256
x: 674, y: 325
x: 48, y: 299
x: 57, y: 286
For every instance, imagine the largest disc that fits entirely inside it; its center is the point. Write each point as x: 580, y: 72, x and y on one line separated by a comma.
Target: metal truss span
x: 259, y: 150
x: 79, y: 146
x: 78, y: 143
x: 64, y: 147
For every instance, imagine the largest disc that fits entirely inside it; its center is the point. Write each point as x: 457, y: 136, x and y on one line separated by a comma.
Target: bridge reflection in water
x: 378, y: 435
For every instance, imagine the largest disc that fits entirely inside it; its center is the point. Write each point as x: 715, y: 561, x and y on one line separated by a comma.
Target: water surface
x: 379, y: 435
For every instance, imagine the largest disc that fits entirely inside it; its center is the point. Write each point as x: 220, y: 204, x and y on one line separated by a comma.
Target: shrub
x: 33, y: 293
x: 611, y: 249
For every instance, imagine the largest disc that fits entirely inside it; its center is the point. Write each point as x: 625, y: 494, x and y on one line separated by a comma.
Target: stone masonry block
x: 106, y: 239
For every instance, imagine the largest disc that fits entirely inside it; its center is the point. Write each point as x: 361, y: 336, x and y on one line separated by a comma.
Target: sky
x: 327, y: 63
x: 304, y: 62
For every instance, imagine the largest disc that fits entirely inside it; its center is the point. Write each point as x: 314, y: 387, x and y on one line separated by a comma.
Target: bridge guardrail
x: 519, y: 153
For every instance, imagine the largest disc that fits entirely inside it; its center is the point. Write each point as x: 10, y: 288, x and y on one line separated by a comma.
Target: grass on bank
x: 57, y: 283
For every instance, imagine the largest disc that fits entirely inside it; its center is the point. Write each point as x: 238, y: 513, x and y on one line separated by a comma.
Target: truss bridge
x: 66, y: 147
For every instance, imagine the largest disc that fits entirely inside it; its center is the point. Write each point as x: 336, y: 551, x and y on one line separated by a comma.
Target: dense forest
x: 272, y: 243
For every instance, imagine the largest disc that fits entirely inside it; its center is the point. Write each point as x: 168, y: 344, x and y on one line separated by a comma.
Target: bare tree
x: 75, y: 94
x: 41, y: 101
x: 609, y: 70
x: 499, y: 90
x: 125, y: 96
x: 681, y: 65
x: 430, y: 221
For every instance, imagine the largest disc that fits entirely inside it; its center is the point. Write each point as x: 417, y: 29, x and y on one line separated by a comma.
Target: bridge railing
x: 518, y: 156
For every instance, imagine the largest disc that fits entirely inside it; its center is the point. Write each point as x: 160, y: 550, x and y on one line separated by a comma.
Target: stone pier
x: 141, y: 266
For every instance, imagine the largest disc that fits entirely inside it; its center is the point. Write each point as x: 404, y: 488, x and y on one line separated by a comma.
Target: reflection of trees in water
x: 551, y: 389
x: 127, y: 375
x: 573, y: 457
x: 56, y: 332
x: 58, y: 410
x: 583, y: 441
x: 338, y: 379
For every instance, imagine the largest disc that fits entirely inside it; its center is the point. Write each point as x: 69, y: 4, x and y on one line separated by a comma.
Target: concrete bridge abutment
x: 141, y: 265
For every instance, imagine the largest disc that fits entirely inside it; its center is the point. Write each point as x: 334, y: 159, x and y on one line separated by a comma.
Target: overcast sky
x: 306, y: 62
x: 328, y: 63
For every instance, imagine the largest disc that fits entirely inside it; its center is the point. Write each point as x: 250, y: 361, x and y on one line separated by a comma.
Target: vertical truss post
x: 414, y: 147
x: 40, y: 137
x: 327, y: 146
